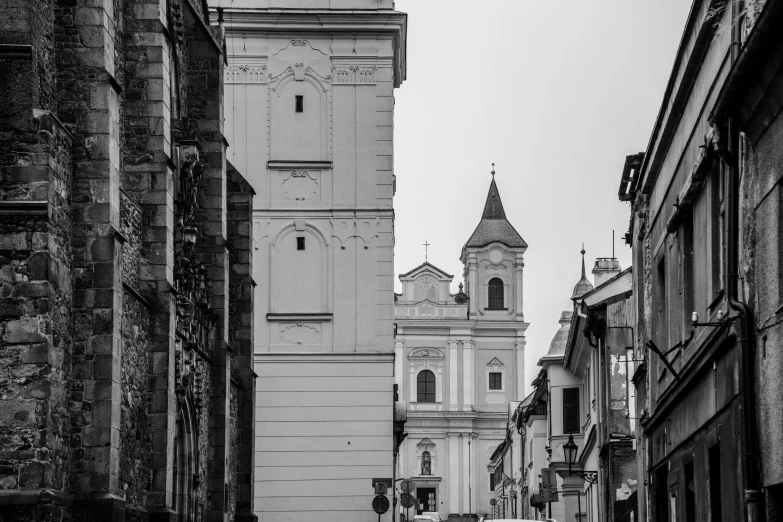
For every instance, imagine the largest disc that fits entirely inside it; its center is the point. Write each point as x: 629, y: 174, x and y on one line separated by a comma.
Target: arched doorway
x: 184, y: 465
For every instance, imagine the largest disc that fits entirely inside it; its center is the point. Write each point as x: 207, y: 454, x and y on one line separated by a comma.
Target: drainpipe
x: 745, y: 341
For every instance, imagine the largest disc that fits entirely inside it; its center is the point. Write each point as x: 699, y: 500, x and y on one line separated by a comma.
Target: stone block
x: 14, y: 241
x: 103, y: 249
x: 25, y: 330
x: 36, y: 354
x: 31, y: 475
x: 17, y: 413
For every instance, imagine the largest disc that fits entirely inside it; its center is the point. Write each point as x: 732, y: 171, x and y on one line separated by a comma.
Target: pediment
x: 425, y: 353
x: 495, y: 362
x: 425, y: 442
x: 428, y: 269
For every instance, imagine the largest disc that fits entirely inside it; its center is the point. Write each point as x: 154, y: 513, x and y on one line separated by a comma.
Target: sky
x: 556, y: 93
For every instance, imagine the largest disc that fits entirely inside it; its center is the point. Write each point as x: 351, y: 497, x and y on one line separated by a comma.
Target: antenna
x: 612, y: 243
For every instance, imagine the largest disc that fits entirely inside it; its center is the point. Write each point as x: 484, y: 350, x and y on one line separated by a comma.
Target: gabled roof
x: 432, y: 267
x: 493, y: 225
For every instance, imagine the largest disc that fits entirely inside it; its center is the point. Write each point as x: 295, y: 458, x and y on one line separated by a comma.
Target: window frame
x: 426, y: 393
x: 499, y: 375
x: 492, y: 300
x: 569, y: 407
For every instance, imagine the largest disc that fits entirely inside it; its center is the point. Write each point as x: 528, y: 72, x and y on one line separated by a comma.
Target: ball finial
x: 493, y: 170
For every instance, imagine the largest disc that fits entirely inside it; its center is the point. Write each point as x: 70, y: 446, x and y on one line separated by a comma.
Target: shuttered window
x: 425, y: 387
x: 495, y: 294
x: 495, y: 381
x: 570, y: 410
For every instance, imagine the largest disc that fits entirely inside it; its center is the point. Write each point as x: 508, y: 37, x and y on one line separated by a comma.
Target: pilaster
x: 453, y: 376
x: 468, y: 376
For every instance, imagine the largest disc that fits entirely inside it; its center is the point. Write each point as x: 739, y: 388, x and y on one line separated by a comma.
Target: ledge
x: 293, y: 165
x: 16, y: 51
x: 319, y: 318
x: 24, y: 208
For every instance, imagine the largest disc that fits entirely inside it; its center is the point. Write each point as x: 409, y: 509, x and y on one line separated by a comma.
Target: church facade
x: 459, y: 365
x: 309, y: 112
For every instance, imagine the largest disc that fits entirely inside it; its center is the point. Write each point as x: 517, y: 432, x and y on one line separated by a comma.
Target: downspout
x: 765, y: 30
x: 745, y: 340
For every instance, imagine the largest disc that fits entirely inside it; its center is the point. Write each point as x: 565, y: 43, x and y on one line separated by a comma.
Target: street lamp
x: 570, y: 450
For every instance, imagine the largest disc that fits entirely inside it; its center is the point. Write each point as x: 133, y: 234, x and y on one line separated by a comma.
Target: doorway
x: 425, y: 500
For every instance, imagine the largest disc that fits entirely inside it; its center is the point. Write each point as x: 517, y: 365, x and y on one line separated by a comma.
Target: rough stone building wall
x: 116, y: 365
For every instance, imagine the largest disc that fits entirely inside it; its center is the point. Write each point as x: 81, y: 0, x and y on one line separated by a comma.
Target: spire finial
x: 583, y: 260
x: 493, y: 170
x: 426, y: 248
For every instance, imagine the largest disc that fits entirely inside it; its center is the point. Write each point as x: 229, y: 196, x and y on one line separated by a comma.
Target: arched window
x: 426, y: 463
x: 495, y: 294
x: 425, y: 387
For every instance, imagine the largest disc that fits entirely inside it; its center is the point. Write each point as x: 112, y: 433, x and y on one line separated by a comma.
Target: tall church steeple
x: 493, y: 225
x: 493, y: 259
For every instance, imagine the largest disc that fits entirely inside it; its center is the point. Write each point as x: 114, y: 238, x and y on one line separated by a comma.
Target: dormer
x: 493, y: 259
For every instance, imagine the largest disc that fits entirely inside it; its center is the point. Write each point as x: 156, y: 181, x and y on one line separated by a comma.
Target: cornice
x: 334, y: 22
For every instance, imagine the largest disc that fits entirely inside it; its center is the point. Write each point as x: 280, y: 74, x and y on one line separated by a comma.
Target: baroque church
x: 459, y: 365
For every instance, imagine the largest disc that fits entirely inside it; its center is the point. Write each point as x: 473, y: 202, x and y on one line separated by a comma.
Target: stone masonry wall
x: 241, y: 285
x: 100, y: 98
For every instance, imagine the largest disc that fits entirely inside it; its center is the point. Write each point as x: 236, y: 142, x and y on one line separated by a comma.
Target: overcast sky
x: 556, y: 93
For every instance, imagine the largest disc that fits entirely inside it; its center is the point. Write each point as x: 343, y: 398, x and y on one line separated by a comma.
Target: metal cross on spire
x: 426, y: 247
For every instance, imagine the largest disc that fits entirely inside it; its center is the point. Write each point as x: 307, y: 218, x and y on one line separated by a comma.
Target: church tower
x: 309, y: 107
x: 494, y: 260
x: 461, y: 367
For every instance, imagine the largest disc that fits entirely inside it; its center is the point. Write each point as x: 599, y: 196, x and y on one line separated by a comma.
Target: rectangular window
x: 495, y: 381
x: 300, y: 244
x: 690, y: 493
x: 716, y: 509
x: 687, y: 273
x: 492, y: 482
x: 299, y: 103
x: 662, y: 494
x: 717, y: 215
x: 660, y: 313
x: 570, y: 410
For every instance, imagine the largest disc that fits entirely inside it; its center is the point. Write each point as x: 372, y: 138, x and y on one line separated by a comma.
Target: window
x: 495, y: 294
x: 687, y: 272
x: 570, y: 410
x: 300, y: 243
x: 716, y: 510
x: 492, y: 482
x: 717, y: 219
x: 662, y: 495
x: 660, y: 309
x: 690, y: 493
x: 495, y: 381
x: 425, y: 387
x: 299, y: 103
x: 426, y: 463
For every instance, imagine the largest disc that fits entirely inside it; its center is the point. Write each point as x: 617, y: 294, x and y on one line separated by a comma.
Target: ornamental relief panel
x: 301, y: 333
x: 354, y: 74
x: 245, y: 73
x: 301, y: 185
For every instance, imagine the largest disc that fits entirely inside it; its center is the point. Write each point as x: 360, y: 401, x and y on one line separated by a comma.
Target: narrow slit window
x: 300, y: 245
x: 299, y: 103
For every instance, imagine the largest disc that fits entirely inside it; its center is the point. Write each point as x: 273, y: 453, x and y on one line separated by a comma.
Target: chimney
x: 605, y: 268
